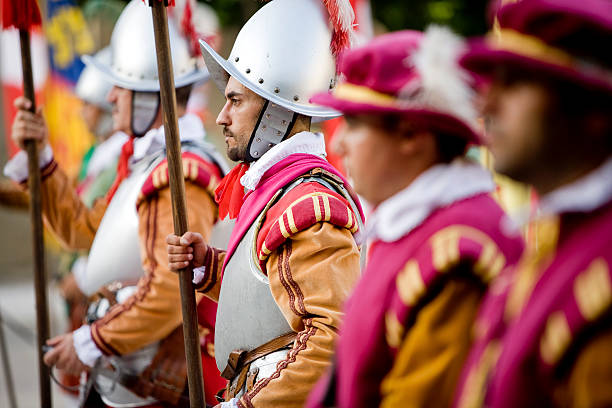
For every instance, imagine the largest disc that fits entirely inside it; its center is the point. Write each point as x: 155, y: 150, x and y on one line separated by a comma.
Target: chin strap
x: 273, y: 126
x: 145, y: 107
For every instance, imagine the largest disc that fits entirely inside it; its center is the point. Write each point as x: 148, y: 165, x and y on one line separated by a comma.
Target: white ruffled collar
x: 303, y: 142
x: 106, y: 153
x: 439, y: 186
x: 586, y: 194
x: 190, y: 129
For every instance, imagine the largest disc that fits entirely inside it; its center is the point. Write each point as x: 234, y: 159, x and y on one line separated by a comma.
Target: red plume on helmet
x: 22, y: 14
x: 341, y: 17
x: 189, y: 29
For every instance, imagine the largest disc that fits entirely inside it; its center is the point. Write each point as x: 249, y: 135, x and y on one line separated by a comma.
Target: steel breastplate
x: 247, y: 314
x: 115, y: 252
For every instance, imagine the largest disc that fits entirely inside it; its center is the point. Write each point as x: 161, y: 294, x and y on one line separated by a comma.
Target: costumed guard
x: 545, y: 330
x: 435, y: 235
x: 293, y: 256
x: 97, y: 174
x: 136, y: 325
x: 99, y: 168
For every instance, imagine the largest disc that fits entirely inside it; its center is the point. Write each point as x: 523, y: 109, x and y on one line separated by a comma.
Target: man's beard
x: 236, y: 153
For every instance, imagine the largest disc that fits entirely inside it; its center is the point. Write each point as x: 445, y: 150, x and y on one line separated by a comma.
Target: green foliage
x: 466, y: 17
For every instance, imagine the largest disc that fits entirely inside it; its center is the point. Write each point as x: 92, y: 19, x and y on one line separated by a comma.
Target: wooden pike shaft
x: 179, y: 209
x: 40, y: 277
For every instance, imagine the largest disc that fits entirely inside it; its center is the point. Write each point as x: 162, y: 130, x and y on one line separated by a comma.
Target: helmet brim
x: 220, y: 71
x: 106, y: 71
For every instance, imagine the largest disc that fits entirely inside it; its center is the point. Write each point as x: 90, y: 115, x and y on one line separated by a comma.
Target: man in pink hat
x: 544, y: 333
x: 436, y: 234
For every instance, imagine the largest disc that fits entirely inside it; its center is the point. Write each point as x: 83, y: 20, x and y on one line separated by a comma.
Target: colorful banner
x: 68, y: 39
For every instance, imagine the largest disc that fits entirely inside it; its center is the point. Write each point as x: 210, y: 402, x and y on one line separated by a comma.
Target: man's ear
x: 416, y: 142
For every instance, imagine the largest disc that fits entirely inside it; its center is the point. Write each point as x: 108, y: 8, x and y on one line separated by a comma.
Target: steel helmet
x: 285, y: 54
x: 133, y: 62
x: 92, y: 87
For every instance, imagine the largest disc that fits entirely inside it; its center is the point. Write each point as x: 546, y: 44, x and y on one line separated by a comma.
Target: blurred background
x: 72, y: 28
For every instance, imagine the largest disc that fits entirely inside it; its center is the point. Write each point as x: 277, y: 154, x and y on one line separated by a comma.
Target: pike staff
x: 24, y: 15
x: 177, y: 190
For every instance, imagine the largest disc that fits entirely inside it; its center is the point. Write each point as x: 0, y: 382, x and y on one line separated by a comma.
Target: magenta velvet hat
x: 568, y: 39
x: 408, y: 73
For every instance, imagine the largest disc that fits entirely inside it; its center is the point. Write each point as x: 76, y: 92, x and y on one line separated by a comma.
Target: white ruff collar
x: 439, y: 186
x: 303, y: 142
x: 106, y: 153
x: 583, y: 195
x: 190, y: 129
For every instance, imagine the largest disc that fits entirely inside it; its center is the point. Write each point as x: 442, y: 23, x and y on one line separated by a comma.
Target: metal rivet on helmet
x: 261, y: 81
x: 255, y: 153
x: 265, y: 48
x: 237, y: 59
x: 258, y: 140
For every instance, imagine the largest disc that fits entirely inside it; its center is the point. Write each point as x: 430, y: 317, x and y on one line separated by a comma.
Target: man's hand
x: 64, y: 356
x: 28, y: 125
x: 190, y: 248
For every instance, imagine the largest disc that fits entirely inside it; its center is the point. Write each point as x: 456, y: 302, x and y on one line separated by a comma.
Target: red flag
x: 21, y: 14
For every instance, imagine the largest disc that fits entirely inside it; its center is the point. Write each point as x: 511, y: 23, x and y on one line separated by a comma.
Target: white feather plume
x: 342, y: 17
x: 346, y: 15
x: 443, y: 84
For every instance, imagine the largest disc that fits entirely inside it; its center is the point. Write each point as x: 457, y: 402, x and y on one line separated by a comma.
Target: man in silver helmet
x: 293, y: 256
x: 135, y: 327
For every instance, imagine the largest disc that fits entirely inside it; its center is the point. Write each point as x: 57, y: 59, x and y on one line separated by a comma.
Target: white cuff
x: 17, y: 168
x: 199, y: 274
x: 85, y: 347
x: 233, y: 403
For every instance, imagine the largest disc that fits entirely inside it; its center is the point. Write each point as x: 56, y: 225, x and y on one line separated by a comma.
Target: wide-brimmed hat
x: 408, y: 73
x: 564, y: 39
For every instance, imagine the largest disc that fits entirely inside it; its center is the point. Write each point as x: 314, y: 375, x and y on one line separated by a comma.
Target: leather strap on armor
x: 239, y: 361
x: 165, y: 378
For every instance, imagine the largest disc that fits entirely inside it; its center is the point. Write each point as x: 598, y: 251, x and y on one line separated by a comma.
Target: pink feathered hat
x: 408, y: 73
x: 566, y: 39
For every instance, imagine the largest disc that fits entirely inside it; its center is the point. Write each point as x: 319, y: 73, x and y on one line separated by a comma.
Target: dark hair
x: 182, y: 95
x: 449, y: 146
x: 578, y: 110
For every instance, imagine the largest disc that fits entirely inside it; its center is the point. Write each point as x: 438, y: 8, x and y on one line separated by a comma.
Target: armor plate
x: 115, y: 252
x: 247, y: 315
